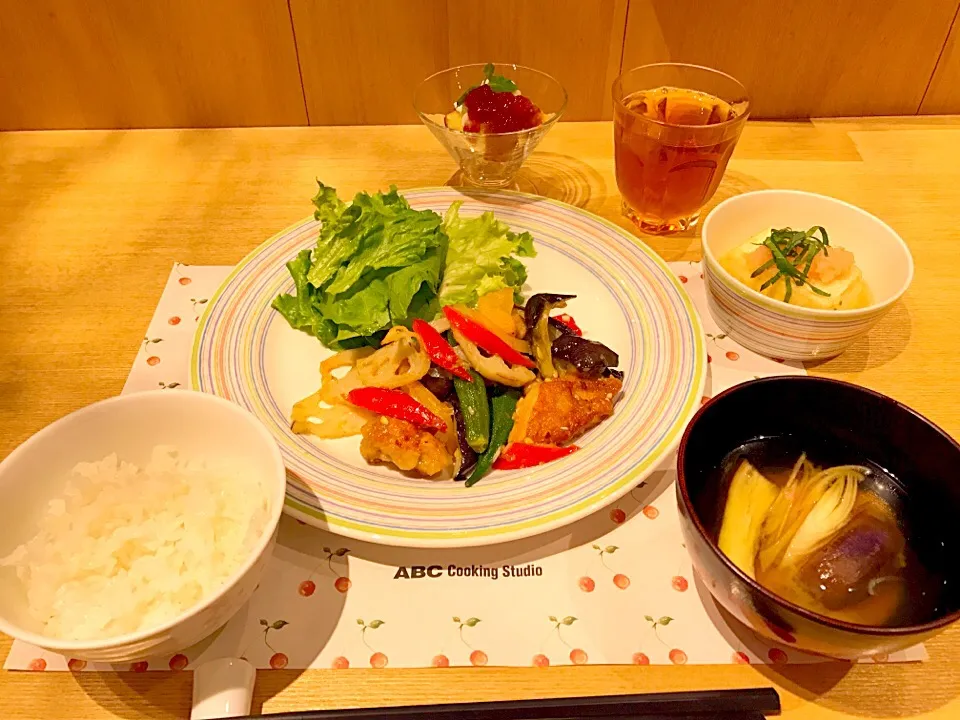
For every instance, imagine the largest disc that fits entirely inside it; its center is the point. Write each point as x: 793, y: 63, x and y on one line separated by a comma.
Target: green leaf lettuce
x: 480, y: 257
x: 379, y: 263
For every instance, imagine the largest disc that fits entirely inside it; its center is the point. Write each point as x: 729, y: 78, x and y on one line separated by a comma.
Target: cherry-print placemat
x: 614, y: 588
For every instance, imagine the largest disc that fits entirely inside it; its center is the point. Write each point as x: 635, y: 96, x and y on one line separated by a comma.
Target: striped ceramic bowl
x: 779, y: 330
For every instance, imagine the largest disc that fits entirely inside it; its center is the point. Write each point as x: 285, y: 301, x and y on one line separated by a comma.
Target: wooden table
x: 90, y: 223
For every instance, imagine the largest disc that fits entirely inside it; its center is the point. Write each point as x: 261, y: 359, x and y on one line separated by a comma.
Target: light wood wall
x: 362, y: 59
x: 943, y: 93
x: 208, y: 63
x: 147, y: 63
x: 802, y: 58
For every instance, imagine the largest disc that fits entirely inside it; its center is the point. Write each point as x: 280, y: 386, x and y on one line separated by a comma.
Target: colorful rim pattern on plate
x: 664, y: 360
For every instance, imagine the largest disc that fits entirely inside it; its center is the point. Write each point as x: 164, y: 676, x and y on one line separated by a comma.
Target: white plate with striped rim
x: 627, y: 298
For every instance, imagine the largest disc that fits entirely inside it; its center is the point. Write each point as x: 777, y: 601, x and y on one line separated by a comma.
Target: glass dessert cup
x: 488, y: 159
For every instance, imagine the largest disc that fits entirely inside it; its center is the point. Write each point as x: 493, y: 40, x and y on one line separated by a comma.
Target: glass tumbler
x: 675, y: 127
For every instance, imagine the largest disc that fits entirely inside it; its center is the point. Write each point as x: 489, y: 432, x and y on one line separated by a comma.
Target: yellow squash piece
x: 748, y: 501
x: 496, y: 311
x: 497, y: 328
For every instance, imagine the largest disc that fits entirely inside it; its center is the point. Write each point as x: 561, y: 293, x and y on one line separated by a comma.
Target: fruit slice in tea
x: 671, y: 147
x: 677, y: 106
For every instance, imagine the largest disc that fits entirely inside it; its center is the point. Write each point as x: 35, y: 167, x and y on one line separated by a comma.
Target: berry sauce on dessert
x: 494, y: 106
x: 499, y: 112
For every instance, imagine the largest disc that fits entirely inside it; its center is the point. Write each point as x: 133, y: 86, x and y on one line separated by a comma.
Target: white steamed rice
x: 127, y: 548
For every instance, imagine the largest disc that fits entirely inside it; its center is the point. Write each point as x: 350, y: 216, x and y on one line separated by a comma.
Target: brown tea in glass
x: 675, y: 127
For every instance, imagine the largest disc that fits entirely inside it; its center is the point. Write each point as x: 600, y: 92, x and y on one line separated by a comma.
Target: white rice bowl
x: 127, y: 548
x: 115, y: 547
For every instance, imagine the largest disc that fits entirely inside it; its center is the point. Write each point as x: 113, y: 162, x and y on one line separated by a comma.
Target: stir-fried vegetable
x: 566, y: 325
x: 493, y: 368
x: 443, y: 411
x: 334, y: 390
x: 496, y: 309
x: 508, y: 338
x: 326, y: 413
x: 439, y: 350
x: 439, y: 382
x: 389, y: 280
x: 502, y: 407
x: 472, y: 397
x: 395, y: 404
x: 537, y: 317
x: 309, y: 417
x: 485, y: 339
x: 525, y: 455
x: 468, y: 456
x: 590, y: 358
x: 400, y: 361
x: 440, y: 385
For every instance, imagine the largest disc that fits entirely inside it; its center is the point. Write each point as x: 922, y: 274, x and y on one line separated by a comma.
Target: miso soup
x: 826, y: 532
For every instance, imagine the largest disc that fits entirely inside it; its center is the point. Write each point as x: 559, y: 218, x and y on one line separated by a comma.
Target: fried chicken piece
x: 404, y: 445
x: 555, y: 412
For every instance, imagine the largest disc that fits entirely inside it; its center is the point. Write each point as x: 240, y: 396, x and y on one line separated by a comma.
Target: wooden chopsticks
x: 747, y: 704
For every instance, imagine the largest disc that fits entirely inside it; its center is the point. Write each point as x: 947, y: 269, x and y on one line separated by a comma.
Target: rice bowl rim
x: 276, y: 494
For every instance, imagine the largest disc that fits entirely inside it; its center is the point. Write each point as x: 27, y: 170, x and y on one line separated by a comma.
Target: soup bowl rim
x: 929, y: 627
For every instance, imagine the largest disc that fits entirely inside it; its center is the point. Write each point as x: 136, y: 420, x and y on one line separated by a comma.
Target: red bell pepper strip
x: 485, y: 339
x: 569, y: 322
x: 439, y: 350
x: 396, y: 404
x: 524, y: 455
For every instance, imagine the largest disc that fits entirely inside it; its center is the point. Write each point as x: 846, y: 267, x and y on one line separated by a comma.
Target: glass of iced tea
x: 674, y: 129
